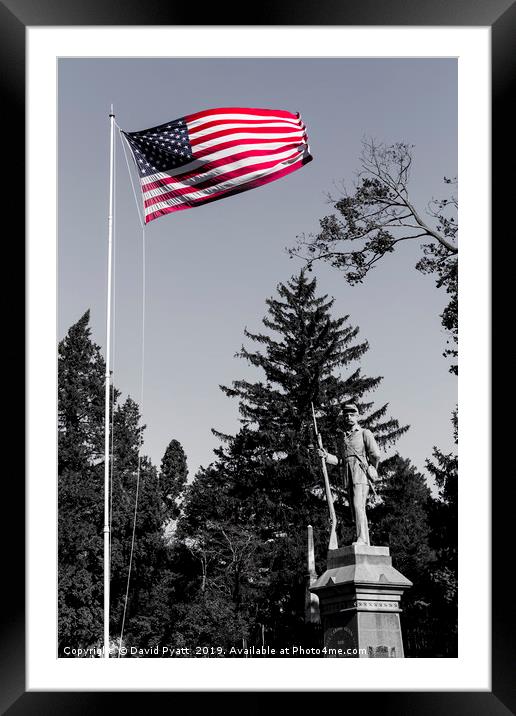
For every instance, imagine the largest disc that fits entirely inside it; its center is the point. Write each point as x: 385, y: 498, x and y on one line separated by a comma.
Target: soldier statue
x: 359, y: 458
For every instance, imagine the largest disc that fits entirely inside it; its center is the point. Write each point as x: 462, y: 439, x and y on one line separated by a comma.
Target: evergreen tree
x: 172, y: 476
x: 301, y: 360
x: 266, y: 479
x: 444, y: 469
x: 134, y: 478
x: 401, y: 520
x: 303, y: 356
x: 219, y: 550
x: 419, y: 530
x: 81, y: 371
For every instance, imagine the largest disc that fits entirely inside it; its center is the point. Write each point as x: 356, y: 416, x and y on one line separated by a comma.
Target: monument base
x: 359, y: 596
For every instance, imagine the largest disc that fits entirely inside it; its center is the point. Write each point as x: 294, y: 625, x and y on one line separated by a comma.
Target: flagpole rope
x: 140, y: 440
x: 142, y: 223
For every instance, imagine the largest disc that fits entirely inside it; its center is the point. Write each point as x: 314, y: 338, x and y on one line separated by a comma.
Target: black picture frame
x: 500, y: 16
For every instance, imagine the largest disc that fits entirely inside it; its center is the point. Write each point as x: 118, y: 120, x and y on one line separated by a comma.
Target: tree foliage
x: 379, y: 214
x: 234, y: 570
x: 245, y: 516
x: 81, y: 371
x: 444, y: 538
x: 414, y: 524
x: 172, y: 476
x: 80, y: 413
x: 301, y: 358
x: 400, y: 520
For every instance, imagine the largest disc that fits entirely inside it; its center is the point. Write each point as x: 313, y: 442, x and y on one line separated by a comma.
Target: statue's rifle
x: 329, y: 499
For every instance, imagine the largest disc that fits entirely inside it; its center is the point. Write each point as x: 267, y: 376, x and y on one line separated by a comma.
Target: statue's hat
x: 349, y: 408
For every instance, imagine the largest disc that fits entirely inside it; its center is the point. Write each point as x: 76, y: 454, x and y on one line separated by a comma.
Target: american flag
x: 212, y: 154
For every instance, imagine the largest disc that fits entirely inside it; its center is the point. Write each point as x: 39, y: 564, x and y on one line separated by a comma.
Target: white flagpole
x: 108, y: 395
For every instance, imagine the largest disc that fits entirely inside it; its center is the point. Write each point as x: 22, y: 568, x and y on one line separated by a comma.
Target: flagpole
x: 107, y: 392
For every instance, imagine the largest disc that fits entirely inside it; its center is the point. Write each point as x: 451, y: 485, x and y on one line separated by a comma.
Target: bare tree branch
x: 377, y: 216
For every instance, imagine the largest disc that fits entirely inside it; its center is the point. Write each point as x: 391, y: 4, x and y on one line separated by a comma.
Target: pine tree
x: 81, y: 371
x: 301, y: 361
x: 303, y: 356
x: 220, y: 551
x: 444, y: 469
x: 402, y: 520
x: 150, y: 555
x: 172, y: 476
x: 421, y: 533
x: 266, y: 478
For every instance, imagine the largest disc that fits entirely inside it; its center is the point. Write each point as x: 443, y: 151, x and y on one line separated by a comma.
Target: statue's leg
x: 366, y: 523
x: 359, y: 501
x: 350, y: 496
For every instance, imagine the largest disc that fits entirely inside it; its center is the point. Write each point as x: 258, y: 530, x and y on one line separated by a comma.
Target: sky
x: 209, y: 270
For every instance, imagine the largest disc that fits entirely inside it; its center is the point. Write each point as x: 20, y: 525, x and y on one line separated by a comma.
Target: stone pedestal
x: 359, y: 596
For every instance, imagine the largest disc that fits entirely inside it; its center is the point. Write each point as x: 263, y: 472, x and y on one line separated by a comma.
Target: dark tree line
x: 81, y: 369
x: 221, y: 561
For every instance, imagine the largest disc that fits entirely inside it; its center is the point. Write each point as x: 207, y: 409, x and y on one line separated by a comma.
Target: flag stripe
x: 216, y: 188
x: 243, y: 111
x: 210, y: 151
x: 224, y: 185
x: 209, y: 157
x: 199, y: 123
x: 237, y: 190
x: 202, y: 128
x: 191, y: 195
x: 266, y: 133
x: 217, y: 178
x: 170, y: 182
x: 258, y: 128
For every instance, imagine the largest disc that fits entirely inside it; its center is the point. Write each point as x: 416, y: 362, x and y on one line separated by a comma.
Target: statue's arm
x: 372, y: 449
x: 330, y: 459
